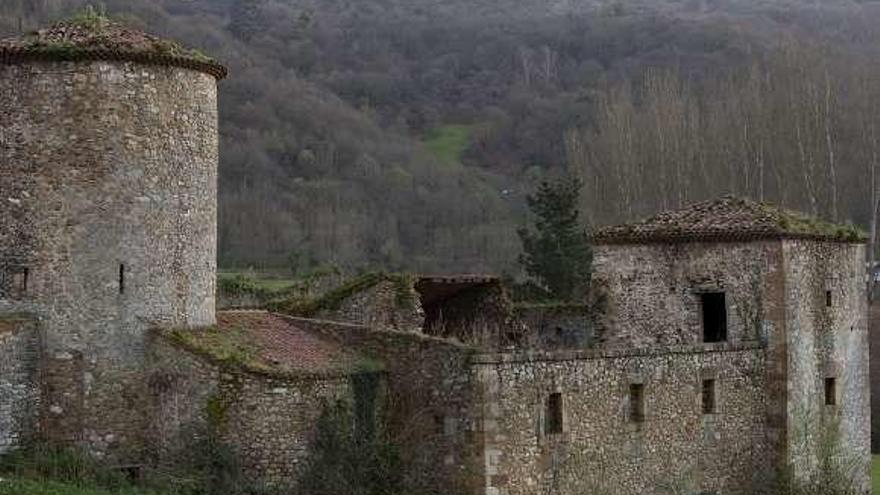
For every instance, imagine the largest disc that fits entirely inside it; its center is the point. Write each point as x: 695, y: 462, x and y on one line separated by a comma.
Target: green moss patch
x: 90, y: 32
x: 268, y: 345
x: 796, y: 223
x: 306, y: 307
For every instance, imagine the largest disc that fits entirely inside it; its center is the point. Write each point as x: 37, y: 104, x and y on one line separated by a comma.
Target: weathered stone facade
x: 107, y: 225
x: 269, y: 421
x: 19, y: 395
x: 600, y: 449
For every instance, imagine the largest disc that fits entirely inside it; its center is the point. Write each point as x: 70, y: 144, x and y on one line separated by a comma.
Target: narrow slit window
x: 830, y: 391
x: 20, y: 282
x: 709, y: 406
x: 637, y: 403
x: 122, y: 278
x: 439, y: 423
x: 828, y: 299
x: 554, y: 414
x: 714, y: 308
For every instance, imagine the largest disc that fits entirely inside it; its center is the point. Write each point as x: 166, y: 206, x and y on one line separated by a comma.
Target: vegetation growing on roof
x: 796, y: 223
x: 332, y: 300
x: 235, y: 348
x: 92, y: 30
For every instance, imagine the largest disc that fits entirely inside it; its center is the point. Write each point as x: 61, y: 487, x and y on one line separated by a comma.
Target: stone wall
x: 652, y: 291
x: 480, y: 315
x: 432, y: 402
x: 385, y: 305
x: 828, y: 339
x: 268, y: 421
x: 555, y: 326
x: 19, y: 392
x: 108, y: 222
x: 600, y: 449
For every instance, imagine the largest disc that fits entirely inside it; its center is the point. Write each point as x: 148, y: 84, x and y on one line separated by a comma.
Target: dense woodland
x: 406, y: 134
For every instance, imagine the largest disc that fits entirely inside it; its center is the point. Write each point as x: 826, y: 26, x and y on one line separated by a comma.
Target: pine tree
x: 558, y: 253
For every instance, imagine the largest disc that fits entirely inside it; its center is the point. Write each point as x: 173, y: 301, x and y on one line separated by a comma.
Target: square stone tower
x: 732, y: 272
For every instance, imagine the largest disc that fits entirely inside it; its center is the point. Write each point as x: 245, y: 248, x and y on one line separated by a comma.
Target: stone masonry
x: 107, y: 218
x: 727, y: 345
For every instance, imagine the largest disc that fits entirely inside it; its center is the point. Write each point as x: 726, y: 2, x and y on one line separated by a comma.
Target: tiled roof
x: 103, y: 40
x: 265, y: 343
x: 727, y: 219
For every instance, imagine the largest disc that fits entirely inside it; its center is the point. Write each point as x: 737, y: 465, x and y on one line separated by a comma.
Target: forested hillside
x: 405, y: 134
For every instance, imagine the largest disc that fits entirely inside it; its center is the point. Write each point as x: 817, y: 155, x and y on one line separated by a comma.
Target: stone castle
x: 726, y: 345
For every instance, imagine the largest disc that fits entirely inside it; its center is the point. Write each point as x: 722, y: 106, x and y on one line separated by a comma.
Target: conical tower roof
x: 94, y: 37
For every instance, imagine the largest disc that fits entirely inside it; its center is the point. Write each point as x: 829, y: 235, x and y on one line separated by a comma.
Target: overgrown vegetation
x: 352, y: 452
x: 206, y: 468
x: 310, y: 306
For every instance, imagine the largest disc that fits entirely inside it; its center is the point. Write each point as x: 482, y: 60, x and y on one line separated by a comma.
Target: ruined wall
x: 555, y: 326
x: 827, y: 338
x: 108, y: 223
x: 269, y: 421
x: 385, y: 305
x: 481, y: 315
x: 600, y: 449
x: 19, y: 392
x: 652, y: 291
x: 432, y: 402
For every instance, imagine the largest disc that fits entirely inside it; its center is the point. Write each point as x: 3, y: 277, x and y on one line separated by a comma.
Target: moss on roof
x: 266, y: 344
x: 93, y: 36
x: 729, y: 219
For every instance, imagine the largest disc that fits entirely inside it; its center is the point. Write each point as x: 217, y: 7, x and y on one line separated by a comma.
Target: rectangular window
x: 708, y: 396
x: 828, y: 300
x: 121, y: 278
x: 830, y: 391
x: 554, y: 414
x: 439, y: 422
x: 637, y: 403
x: 714, y: 307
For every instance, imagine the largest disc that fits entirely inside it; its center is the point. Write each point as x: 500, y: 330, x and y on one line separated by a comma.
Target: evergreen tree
x: 558, y: 252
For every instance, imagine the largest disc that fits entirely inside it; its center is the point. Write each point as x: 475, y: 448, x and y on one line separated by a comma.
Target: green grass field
x: 875, y: 474
x: 15, y: 486
x: 448, y: 142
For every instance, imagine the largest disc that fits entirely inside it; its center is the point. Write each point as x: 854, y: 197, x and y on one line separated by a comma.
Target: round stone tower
x: 108, y: 216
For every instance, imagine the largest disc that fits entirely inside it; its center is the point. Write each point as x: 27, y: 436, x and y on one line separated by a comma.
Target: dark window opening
x: 121, y: 278
x: 637, y: 403
x: 708, y: 396
x: 439, y: 424
x: 714, y: 307
x: 830, y: 391
x: 828, y: 300
x: 554, y: 414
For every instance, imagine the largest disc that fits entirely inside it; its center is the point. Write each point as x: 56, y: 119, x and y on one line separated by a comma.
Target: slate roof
x: 74, y: 41
x: 728, y: 219
x: 270, y: 344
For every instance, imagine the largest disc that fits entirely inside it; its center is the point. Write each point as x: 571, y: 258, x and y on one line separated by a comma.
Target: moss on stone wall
x: 405, y: 294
